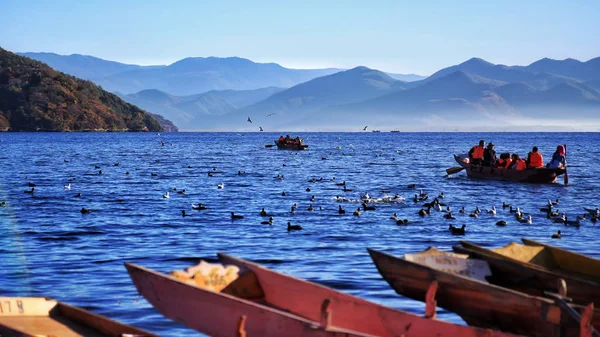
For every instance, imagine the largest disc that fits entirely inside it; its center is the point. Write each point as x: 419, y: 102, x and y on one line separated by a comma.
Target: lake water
x: 48, y: 248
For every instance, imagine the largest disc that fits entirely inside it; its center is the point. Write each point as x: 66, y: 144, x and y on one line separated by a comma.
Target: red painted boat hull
x: 290, y: 307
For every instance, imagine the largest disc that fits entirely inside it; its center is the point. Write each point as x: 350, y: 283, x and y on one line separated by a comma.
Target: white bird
x: 221, y: 186
x: 68, y: 187
x: 166, y: 195
x: 249, y: 120
x: 492, y: 211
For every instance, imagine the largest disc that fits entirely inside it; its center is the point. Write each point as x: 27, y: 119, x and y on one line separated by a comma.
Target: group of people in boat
x: 483, y: 155
x: 291, y: 141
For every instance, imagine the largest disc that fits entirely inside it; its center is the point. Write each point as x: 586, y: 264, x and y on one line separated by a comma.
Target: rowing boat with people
x: 235, y: 298
x: 539, y: 175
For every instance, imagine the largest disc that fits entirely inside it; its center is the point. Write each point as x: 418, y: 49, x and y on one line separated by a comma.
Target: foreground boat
x: 479, y: 303
x: 38, y: 316
x: 240, y: 298
x: 291, y: 146
x: 539, y: 175
x: 534, y: 269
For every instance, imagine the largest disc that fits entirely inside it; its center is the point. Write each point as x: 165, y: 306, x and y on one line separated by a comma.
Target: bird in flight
x: 249, y: 120
x: 365, y: 129
x: 269, y: 115
x: 260, y: 127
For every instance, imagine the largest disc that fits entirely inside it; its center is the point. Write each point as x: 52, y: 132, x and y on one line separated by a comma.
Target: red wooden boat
x: 539, y: 175
x: 482, y: 304
x: 260, y: 302
x: 39, y: 316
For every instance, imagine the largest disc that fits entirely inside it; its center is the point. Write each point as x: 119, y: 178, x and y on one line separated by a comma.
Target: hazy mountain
x: 83, y: 66
x: 406, y: 77
x: 34, y: 96
x: 571, y: 68
x: 345, y: 87
x: 193, y: 75
x: 190, y: 112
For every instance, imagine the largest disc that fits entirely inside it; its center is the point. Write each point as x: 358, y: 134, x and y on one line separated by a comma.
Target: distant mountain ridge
x: 472, y: 92
x: 35, y: 97
x: 193, y: 110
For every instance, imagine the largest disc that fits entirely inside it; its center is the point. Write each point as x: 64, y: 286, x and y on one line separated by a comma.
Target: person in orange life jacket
x: 517, y: 163
x: 489, y: 155
x: 476, y: 153
x: 281, y: 139
x: 558, y: 158
x: 504, y: 161
x: 534, y: 158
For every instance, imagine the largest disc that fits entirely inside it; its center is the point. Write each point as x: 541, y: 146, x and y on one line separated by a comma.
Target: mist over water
x: 48, y: 248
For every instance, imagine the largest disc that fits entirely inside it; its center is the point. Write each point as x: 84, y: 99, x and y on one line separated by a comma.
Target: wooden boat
x: 540, y: 175
x: 567, y: 261
x: 533, y: 270
x: 290, y: 146
x: 482, y: 304
x: 241, y: 298
x: 39, y: 316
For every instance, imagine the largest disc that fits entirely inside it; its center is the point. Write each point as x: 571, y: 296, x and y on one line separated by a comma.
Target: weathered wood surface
x: 38, y: 316
x: 531, y: 278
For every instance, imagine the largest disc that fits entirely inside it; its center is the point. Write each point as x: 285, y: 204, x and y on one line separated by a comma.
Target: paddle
x: 454, y: 170
x: 566, y: 176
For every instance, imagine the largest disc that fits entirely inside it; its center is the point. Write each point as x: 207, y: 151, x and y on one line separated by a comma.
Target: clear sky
x: 396, y: 36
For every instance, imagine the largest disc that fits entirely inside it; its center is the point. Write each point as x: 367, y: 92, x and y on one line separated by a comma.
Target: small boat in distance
x: 376, y: 131
x: 296, y: 144
x: 239, y: 298
x: 39, y: 316
x: 395, y: 131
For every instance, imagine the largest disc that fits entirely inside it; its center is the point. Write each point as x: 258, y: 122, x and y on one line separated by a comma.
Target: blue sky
x: 397, y: 36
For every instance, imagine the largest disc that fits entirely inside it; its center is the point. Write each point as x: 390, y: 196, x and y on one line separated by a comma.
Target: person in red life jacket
x: 535, y: 159
x: 489, y: 155
x: 476, y: 153
x: 504, y: 161
x: 281, y: 139
x: 517, y: 163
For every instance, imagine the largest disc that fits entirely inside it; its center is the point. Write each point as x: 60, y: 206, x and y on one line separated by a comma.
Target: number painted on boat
x: 6, y: 307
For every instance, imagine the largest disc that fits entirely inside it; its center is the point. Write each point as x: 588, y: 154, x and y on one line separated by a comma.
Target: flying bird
x: 260, y: 127
x: 249, y: 120
x: 271, y: 114
x: 365, y: 129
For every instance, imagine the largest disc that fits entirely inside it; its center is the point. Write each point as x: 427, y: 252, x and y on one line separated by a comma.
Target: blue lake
x: 48, y: 248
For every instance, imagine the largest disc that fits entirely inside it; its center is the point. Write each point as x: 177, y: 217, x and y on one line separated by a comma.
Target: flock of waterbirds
x: 368, y: 204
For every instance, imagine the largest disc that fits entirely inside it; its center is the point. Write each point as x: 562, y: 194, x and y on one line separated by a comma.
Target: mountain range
x: 35, y: 97
x: 475, y: 92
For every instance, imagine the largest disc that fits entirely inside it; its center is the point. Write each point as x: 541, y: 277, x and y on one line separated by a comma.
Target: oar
x: 454, y: 170
x: 566, y: 176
